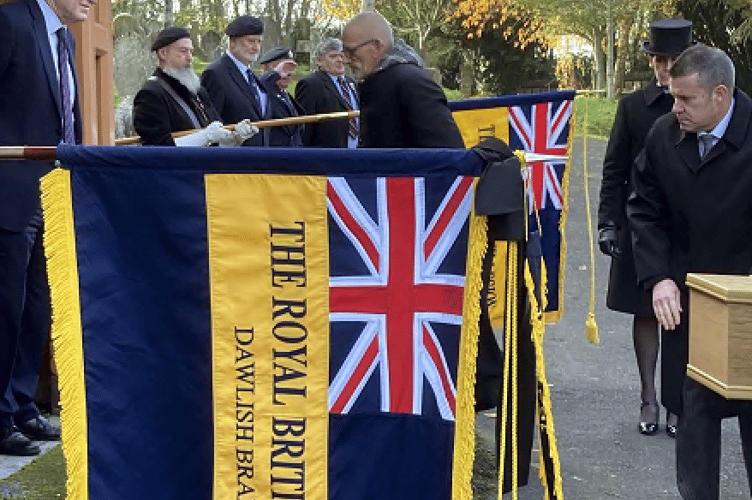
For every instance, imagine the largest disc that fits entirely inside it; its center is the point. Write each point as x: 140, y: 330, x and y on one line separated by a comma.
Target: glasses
x: 350, y: 51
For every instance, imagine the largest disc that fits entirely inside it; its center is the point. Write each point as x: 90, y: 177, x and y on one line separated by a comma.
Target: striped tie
x: 69, y: 136
x: 353, y: 132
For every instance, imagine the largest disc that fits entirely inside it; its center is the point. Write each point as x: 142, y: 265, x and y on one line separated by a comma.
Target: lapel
x: 733, y: 137
x: 240, y: 81
x: 43, y: 45
x: 333, y: 88
x: 688, y: 150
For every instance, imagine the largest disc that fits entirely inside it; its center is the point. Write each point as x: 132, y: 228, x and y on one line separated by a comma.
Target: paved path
x: 595, y: 389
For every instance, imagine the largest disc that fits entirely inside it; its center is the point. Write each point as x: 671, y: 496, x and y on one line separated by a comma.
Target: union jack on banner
x: 396, y: 289
x: 542, y: 129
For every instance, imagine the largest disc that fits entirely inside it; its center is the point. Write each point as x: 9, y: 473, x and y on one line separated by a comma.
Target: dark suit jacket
x: 318, y: 94
x: 635, y: 115
x: 231, y: 95
x: 282, y: 105
x: 156, y: 114
x: 29, y: 106
x: 402, y: 107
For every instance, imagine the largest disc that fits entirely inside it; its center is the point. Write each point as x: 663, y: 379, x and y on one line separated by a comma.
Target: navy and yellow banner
x: 539, y: 125
x: 260, y: 324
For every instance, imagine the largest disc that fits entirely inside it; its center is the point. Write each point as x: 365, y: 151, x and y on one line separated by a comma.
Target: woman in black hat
x: 634, y: 117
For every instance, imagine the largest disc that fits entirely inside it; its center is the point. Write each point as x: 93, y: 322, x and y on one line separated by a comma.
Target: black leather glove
x: 608, y: 242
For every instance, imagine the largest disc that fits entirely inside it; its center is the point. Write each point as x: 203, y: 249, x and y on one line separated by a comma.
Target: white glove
x: 195, y: 139
x: 216, y: 133
x: 245, y: 130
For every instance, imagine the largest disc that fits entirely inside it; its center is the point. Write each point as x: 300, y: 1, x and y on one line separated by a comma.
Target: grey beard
x: 187, y: 77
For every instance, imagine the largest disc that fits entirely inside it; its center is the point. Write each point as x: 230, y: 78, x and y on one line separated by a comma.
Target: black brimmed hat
x: 169, y: 35
x: 245, y: 25
x: 668, y: 37
x: 275, y: 54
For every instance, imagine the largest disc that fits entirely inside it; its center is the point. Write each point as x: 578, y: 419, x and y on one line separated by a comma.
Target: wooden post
x: 95, y: 74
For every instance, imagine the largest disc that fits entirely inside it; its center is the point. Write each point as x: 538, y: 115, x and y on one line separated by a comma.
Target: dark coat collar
x: 734, y: 137
x: 653, y: 92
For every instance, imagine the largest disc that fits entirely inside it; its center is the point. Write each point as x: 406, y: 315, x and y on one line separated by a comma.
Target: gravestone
x: 211, y: 45
x: 272, y: 34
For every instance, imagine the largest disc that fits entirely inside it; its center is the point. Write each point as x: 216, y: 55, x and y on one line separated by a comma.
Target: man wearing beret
x: 233, y: 87
x: 329, y: 90
x: 281, y: 103
x: 172, y: 99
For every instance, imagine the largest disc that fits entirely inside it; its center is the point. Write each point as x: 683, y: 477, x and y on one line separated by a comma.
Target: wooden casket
x: 720, y: 333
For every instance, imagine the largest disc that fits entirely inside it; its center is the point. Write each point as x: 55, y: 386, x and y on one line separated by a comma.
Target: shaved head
x: 365, y: 39
x: 371, y: 25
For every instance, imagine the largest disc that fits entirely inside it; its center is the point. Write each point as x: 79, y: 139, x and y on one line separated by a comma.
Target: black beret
x: 169, y: 35
x: 245, y: 25
x: 274, y: 54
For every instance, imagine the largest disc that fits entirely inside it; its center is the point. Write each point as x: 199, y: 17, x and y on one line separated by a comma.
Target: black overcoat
x: 402, y: 107
x: 691, y: 216
x: 635, y: 114
x: 156, y: 114
x: 317, y: 94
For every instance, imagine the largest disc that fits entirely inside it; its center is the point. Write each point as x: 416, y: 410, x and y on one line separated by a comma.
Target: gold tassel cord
x: 62, y: 266
x: 509, y: 407
x: 464, y: 444
x: 539, y: 327
x: 591, y: 328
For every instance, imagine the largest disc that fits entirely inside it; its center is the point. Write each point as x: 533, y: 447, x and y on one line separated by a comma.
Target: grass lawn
x: 600, y: 115
x: 42, y: 479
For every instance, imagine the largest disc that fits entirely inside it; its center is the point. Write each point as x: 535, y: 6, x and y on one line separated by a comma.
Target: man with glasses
x: 400, y: 104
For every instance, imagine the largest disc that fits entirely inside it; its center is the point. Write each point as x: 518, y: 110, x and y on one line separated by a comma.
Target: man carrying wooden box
x: 691, y: 212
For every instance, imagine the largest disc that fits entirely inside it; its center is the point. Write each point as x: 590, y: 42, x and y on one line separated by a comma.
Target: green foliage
x: 500, y: 65
x: 715, y: 23
x: 42, y: 479
x: 599, y: 113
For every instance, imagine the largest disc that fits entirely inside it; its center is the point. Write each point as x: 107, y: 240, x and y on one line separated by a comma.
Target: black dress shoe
x: 39, y: 429
x: 14, y: 443
x: 671, y: 425
x: 671, y: 430
x: 648, y: 419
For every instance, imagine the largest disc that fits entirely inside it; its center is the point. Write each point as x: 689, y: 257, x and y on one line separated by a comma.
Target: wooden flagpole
x: 279, y: 122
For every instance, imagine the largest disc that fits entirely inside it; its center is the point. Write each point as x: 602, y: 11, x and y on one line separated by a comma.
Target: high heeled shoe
x: 671, y: 424
x: 648, y: 418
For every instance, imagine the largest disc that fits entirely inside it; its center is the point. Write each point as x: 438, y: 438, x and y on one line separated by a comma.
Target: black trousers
x: 24, y: 320
x: 698, y: 440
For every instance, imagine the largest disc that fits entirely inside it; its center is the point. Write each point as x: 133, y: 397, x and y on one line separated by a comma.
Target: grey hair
x: 713, y: 67
x: 327, y: 45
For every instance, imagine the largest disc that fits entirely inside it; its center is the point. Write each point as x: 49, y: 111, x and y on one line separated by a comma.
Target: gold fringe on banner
x: 509, y: 394
x: 591, y: 328
x: 539, y: 328
x: 62, y: 272
x: 464, y: 442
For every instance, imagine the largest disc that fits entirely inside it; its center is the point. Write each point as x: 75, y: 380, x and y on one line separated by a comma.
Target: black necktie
x: 69, y: 136
x: 344, y: 89
x: 254, y: 89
